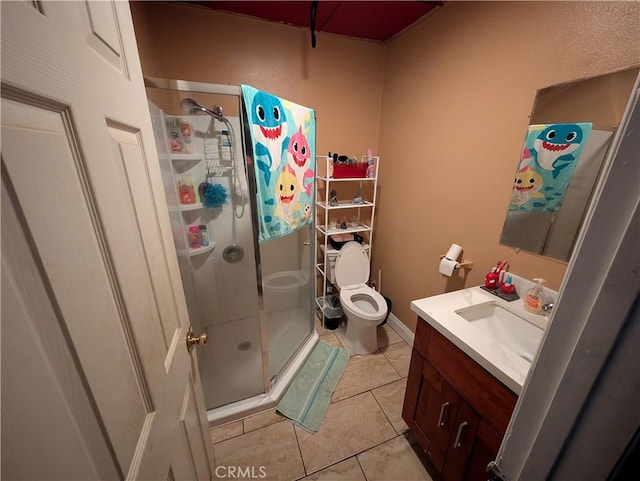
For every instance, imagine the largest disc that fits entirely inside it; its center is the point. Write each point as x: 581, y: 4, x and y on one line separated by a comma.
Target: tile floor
x: 362, y: 437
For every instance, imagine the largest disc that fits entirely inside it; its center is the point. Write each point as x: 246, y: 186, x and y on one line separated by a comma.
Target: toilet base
x: 361, y: 338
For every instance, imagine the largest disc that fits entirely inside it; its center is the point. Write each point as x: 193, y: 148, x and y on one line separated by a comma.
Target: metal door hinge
x: 494, y: 473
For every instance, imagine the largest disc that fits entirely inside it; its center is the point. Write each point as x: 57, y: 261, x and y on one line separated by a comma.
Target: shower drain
x: 244, y: 346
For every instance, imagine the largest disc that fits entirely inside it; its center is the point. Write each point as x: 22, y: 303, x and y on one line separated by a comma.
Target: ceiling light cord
x: 313, y: 14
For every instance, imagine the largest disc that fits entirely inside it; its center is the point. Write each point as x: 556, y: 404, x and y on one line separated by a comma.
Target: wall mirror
x: 552, y: 189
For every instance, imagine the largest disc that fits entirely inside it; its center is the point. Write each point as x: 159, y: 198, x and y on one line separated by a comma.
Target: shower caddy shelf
x: 201, y: 250
x: 326, y: 250
x: 182, y: 163
x: 196, y: 206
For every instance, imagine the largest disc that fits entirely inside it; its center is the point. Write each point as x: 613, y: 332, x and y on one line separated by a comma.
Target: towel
x: 309, y: 394
x: 549, y: 158
x: 283, y: 135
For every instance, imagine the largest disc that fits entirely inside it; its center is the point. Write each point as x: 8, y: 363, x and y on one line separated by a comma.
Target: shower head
x: 191, y: 107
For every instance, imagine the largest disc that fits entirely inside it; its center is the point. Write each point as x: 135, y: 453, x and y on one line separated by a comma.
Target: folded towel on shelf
x: 338, y: 240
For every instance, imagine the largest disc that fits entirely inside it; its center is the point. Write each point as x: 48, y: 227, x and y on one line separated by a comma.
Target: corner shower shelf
x: 192, y: 157
x: 202, y: 250
x: 196, y: 206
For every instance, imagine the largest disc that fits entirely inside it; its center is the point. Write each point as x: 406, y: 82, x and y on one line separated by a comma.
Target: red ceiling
x: 375, y: 20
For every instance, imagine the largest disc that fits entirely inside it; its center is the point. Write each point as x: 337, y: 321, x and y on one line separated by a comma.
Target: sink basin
x: 509, y: 329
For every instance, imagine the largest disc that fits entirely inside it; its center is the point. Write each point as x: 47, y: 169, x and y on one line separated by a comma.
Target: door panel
x: 49, y: 421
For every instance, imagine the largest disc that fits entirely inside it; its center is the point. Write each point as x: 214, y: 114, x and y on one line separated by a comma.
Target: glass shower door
x: 220, y: 280
x: 287, y: 291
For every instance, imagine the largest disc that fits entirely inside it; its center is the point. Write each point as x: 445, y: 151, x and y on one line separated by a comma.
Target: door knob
x: 192, y: 341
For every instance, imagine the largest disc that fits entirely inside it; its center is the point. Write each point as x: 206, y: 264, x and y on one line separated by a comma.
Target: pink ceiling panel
x: 375, y: 20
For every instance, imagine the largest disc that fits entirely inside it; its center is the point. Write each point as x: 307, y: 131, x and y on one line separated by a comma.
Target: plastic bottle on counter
x: 535, y: 297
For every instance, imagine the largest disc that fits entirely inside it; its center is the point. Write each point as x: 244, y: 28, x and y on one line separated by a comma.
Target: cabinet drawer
x: 488, y: 396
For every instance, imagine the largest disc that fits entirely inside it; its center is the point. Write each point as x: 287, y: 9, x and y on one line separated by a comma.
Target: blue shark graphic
x: 554, y: 146
x: 269, y: 125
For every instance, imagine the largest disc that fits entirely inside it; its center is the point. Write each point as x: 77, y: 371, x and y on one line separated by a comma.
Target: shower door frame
x: 273, y: 388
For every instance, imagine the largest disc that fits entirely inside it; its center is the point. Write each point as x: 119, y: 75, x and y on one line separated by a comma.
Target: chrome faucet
x: 548, y: 307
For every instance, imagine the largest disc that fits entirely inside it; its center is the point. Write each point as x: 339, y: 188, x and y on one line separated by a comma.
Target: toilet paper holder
x: 465, y: 264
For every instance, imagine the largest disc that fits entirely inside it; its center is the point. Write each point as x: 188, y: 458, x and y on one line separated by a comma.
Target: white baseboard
x: 401, y: 329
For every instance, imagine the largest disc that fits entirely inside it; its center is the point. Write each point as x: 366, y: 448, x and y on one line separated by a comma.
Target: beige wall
x: 341, y: 79
x: 455, y: 90
x: 458, y: 90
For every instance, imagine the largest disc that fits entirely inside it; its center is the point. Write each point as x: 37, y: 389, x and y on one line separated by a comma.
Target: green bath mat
x: 309, y: 394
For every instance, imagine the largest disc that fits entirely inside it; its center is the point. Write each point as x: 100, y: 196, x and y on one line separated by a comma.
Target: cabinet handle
x: 457, y: 443
x: 442, y: 410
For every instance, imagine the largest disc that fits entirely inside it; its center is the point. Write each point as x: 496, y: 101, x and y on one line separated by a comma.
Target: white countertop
x: 504, y: 364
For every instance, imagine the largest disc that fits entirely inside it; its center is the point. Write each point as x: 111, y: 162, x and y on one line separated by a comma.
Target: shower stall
x: 254, y: 301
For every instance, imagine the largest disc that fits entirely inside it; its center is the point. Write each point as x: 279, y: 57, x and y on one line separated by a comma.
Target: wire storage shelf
x: 363, y: 208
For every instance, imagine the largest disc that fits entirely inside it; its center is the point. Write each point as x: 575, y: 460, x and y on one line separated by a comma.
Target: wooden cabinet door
x: 436, y: 413
x: 485, y: 448
x: 461, y: 442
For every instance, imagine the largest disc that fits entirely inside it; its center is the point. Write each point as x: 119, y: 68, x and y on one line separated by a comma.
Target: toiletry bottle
x: 371, y: 172
x: 185, y: 134
x: 187, y: 193
x: 204, y: 236
x: 534, y: 298
x: 173, y: 131
x: 194, y: 237
x: 226, y: 145
x: 330, y: 165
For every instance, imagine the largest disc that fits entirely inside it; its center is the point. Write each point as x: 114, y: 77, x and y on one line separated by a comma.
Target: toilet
x: 364, y: 307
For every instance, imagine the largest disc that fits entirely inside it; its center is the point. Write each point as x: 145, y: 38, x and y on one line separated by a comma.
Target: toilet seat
x: 349, y: 297
x: 352, y: 273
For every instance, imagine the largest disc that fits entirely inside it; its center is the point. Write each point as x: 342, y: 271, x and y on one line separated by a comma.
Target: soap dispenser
x: 534, y: 298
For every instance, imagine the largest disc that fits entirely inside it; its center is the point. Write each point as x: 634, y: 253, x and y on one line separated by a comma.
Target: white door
x: 96, y: 379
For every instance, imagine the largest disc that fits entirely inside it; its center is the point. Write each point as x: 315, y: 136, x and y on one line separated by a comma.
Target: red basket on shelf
x: 349, y: 171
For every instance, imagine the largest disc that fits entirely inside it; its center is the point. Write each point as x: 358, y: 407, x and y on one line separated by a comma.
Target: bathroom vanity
x: 471, y: 354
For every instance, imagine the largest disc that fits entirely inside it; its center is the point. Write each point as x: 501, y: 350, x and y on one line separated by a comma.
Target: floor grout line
x: 354, y: 455
x: 304, y: 467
